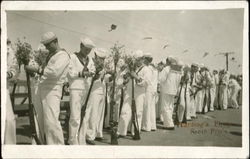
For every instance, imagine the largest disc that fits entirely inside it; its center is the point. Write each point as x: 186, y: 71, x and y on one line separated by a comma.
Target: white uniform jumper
x: 200, y: 94
x: 162, y: 78
x: 126, y: 112
x: 50, y: 92
x: 96, y: 108
x: 234, y: 89
x: 170, y: 88
x: 155, y: 112
x: 78, y: 90
x: 212, y: 91
x: 149, y: 116
x: 216, y: 82
x: 224, y: 91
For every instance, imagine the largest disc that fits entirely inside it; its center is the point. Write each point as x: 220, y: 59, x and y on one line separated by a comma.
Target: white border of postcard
x: 34, y: 151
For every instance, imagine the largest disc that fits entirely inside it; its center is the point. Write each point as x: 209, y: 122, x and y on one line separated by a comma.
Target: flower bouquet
x: 40, y: 55
x: 116, y: 53
x: 130, y: 61
x: 23, y: 52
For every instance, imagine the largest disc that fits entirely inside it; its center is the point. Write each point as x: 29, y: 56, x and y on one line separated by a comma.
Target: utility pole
x: 226, y: 54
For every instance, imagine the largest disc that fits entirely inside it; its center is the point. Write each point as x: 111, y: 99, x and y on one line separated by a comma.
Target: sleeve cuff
x: 10, y: 75
x: 40, y: 71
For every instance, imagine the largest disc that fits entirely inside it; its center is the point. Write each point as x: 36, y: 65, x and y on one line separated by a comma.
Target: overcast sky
x: 188, y: 33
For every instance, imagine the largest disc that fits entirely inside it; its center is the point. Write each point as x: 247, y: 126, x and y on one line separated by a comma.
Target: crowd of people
x: 170, y: 91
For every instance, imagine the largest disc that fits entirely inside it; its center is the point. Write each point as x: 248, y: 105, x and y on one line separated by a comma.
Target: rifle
x: 121, y: 102
x: 196, y: 91
x: 106, y: 104
x: 206, y: 98
x: 63, y: 90
x: 209, y: 100
x: 84, y: 107
x: 218, y: 95
x: 32, y: 113
x: 134, y: 115
x: 113, y: 124
x: 12, y: 97
x: 204, y: 102
x: 185, y: 111
x: 177, y: 105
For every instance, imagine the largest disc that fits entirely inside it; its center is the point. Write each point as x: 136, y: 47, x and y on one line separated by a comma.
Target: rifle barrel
x: 84, y: 107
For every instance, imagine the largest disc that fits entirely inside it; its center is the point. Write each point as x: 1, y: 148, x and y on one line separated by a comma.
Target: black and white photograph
x: 124, y: 79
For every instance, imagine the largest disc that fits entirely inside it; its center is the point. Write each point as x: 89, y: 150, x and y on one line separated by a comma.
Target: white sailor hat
x: 138, y: 54
x: 42, y: 48
x: 195, y: 64
x: 101, y: 52
x: 186, y: 66
x: 201, y: 65
x: 48, y: 37
x: 179, y: 62
x: 169, y: 57
x: 147, y: 54
x: 87, y: 43
x: 163, y: 62
x: 173, y: 60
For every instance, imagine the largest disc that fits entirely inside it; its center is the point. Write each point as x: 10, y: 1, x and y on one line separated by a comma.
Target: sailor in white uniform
x: 170, y: 91
x: 149, y: 114
x: 50, y: 87
x: 234, y: 90
x: 140, y: 84
x: 184, y: 106
x: 96, y: 106
x: 223, y: 89
x: 80, y: 69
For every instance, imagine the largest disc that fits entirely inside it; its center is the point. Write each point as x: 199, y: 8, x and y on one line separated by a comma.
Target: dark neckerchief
x: 80, y: 59
x: 192, y: 78
x: 52, y: 54
x: 139, y: 69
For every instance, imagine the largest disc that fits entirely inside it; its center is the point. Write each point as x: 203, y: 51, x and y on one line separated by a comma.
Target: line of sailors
x: 157, y: 90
